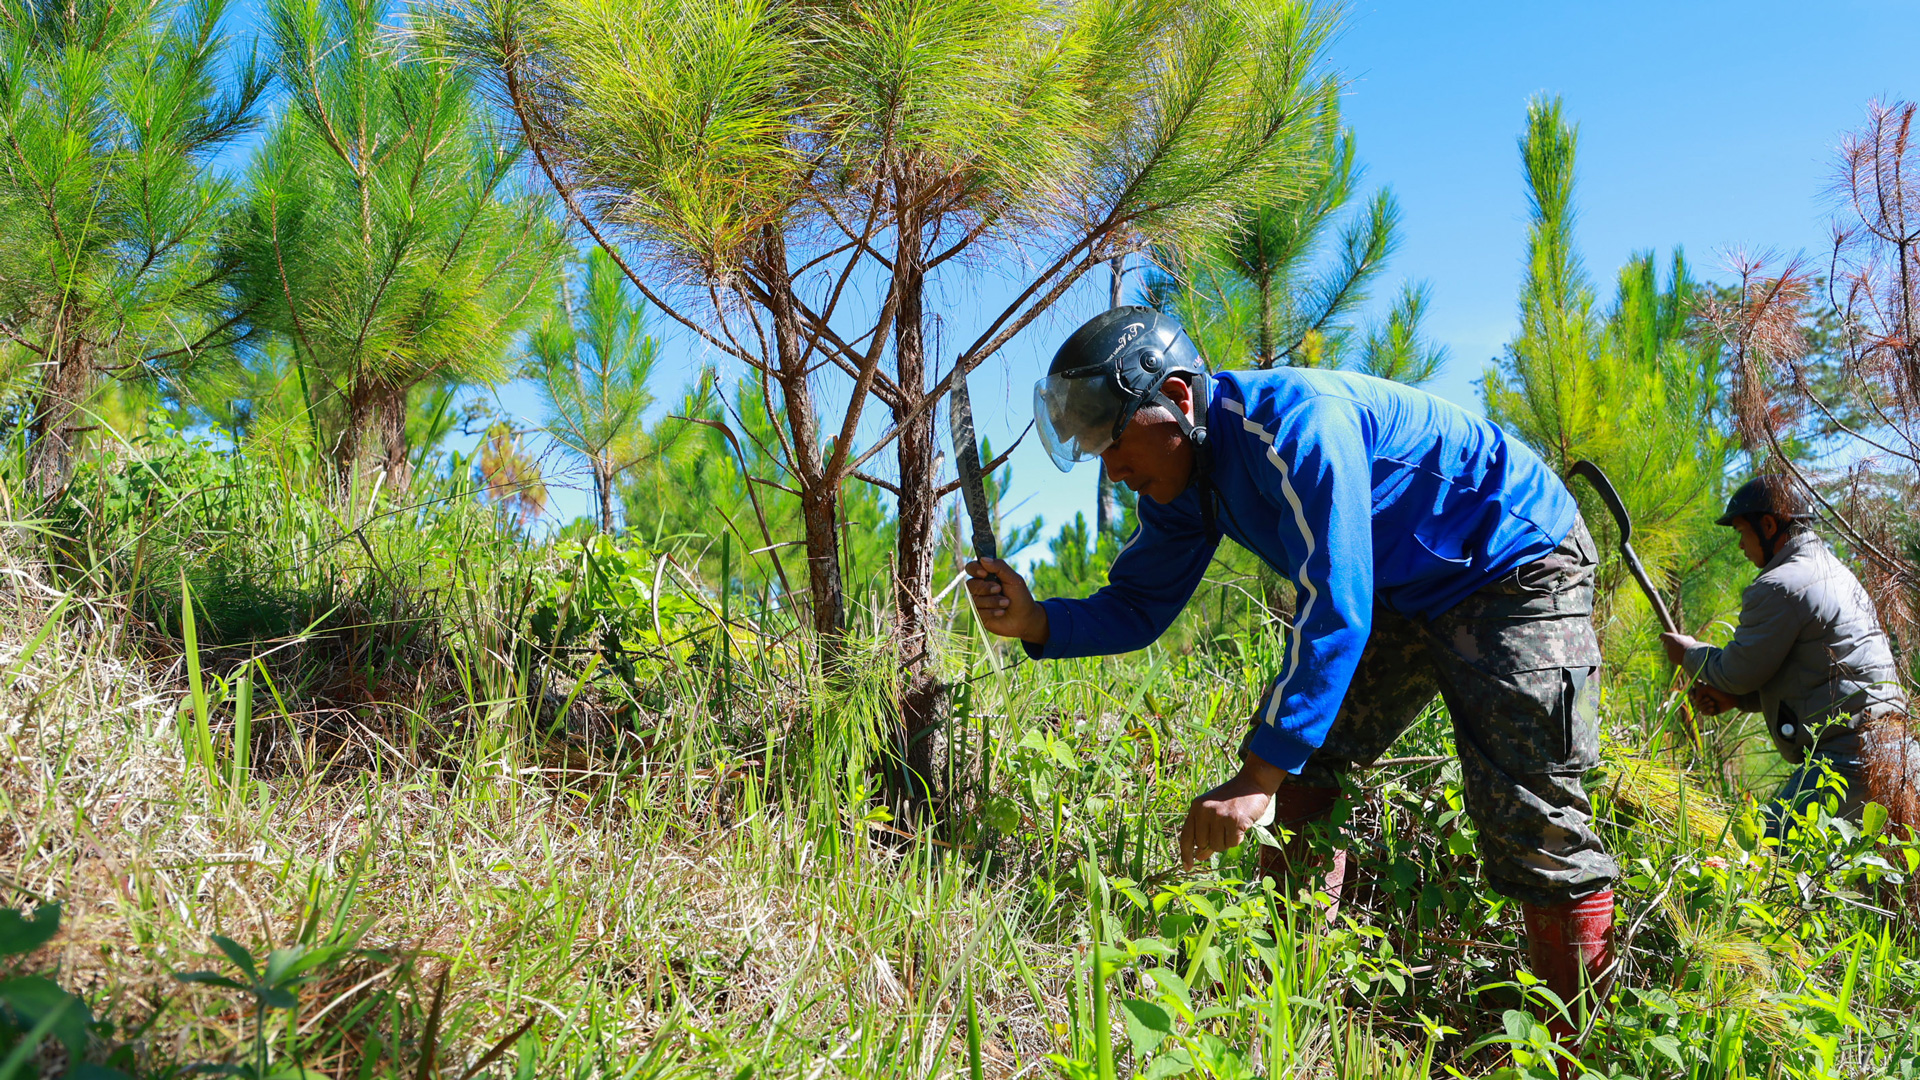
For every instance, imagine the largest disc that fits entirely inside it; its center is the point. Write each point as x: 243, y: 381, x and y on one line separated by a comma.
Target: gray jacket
x: 1808, y: 652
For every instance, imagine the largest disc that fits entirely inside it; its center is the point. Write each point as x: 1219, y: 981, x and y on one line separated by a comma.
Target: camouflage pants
x: 1516, y: 664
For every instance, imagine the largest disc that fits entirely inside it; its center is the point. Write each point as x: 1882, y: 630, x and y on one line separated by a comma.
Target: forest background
x: 342, y: 741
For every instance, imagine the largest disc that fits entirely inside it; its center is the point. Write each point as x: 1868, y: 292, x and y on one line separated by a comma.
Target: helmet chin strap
x: 1197, y: 435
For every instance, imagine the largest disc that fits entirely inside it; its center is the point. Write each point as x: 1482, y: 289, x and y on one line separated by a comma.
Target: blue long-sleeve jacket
x: 1356, y: 489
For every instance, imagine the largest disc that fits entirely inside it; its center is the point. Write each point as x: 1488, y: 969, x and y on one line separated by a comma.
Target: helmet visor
x: 1077, y: 415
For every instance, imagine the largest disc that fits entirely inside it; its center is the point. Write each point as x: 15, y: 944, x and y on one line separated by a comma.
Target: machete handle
x: 1646, y: 585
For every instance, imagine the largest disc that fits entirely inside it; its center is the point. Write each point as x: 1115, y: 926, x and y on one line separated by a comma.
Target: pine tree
x: 109, y: 116
x: 1279, y: 288
x: 591, y: 361
x: 755, y: 160
x: 1633, y: 388
x: 383, y: 236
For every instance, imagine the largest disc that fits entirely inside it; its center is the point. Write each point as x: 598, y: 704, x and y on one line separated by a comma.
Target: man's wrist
x: 1256, y: 771
x: 1037, y: 631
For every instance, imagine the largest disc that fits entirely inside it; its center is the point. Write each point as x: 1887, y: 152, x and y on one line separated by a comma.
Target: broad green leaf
x: 241, y: 958
x: 20, y: 935
x: 1152, y: 947
x: 1873, y: 818
x: 1147, y: 1024
x: 1172, y: 1064
x: 282, y: 962
x: 1172, y: 986
x: 209, y: 978
x: 35, y: 998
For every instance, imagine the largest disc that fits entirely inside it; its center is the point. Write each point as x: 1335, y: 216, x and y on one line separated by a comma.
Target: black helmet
x: 1768, y: 493
x: 1115, y: 363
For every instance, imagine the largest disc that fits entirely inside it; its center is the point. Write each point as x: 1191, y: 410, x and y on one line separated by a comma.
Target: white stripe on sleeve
x: 1306, y: 536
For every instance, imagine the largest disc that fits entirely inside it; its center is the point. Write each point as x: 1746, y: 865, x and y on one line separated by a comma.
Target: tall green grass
x: 510, y: 808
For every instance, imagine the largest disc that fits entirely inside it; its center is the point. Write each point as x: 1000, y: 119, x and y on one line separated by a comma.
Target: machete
x: 1604, y: 488
x: 973, y: 484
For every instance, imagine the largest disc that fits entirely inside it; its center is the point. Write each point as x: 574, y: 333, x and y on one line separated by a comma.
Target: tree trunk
x: 819, y: 494
x: 363, y: 401
x: 603, y: 493
x: 913, y: 574
x: 393, y: 438
x: 375, y: 441
x: 53, y: 429
x: 1266, y: 359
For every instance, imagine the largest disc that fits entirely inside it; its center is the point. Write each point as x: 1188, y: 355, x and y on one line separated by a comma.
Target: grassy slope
x: 717, y: 889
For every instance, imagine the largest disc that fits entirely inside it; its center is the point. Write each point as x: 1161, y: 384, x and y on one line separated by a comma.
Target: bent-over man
x: 1432, y: 555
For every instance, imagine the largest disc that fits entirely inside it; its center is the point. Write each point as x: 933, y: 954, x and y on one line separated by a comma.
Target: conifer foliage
x: 109, y: 116
x: 1632, y: 387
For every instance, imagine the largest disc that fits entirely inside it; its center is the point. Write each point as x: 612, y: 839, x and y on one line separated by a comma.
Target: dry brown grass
x: 611, y: 911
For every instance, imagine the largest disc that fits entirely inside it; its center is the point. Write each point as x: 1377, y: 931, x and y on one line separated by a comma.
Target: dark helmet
x: 1115, y: 363
x: 1768, y: 493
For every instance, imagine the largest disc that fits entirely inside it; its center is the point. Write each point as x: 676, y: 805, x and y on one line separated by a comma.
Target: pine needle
x: 1661, y: 796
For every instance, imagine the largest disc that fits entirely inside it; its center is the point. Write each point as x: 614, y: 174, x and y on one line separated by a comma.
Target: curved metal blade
x: 973, y: 484
x: 1603, y: 487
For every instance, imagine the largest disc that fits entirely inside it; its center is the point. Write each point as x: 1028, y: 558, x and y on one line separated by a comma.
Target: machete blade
x: 973, y: 484
x: 1603, y: 487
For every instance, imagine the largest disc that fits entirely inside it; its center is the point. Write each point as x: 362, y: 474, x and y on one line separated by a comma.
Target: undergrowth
x: 346, y: 785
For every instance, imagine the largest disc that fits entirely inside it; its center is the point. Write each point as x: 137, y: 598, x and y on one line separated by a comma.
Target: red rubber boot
x: 1295, y: 807
x: 1570, y: 948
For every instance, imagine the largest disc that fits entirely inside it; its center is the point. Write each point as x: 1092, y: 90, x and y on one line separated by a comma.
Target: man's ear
x: 1180, y: 392
x: 1769, y: 526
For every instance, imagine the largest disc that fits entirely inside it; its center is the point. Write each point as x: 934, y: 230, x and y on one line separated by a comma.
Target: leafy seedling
x: 272, y: 985
x: 34, y: 1007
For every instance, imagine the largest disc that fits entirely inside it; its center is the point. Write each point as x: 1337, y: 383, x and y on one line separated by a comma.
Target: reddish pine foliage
x: 1862, y: 393
x: 1875, y: 267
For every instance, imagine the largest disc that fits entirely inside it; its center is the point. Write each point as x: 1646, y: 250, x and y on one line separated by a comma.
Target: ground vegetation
x: 308, y: 779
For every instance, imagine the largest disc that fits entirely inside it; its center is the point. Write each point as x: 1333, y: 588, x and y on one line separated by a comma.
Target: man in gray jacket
x: 1808, y: 653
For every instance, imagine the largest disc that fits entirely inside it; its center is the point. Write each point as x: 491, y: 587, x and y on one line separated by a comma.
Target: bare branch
x: 884, y: 485
x: 740, y: 457
x: 953, y: 485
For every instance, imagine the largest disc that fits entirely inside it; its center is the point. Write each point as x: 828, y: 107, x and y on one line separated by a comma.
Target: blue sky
x: 1708, y: 126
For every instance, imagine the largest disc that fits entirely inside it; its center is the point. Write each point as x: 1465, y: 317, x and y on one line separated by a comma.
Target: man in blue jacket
x: 1430, y: 553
